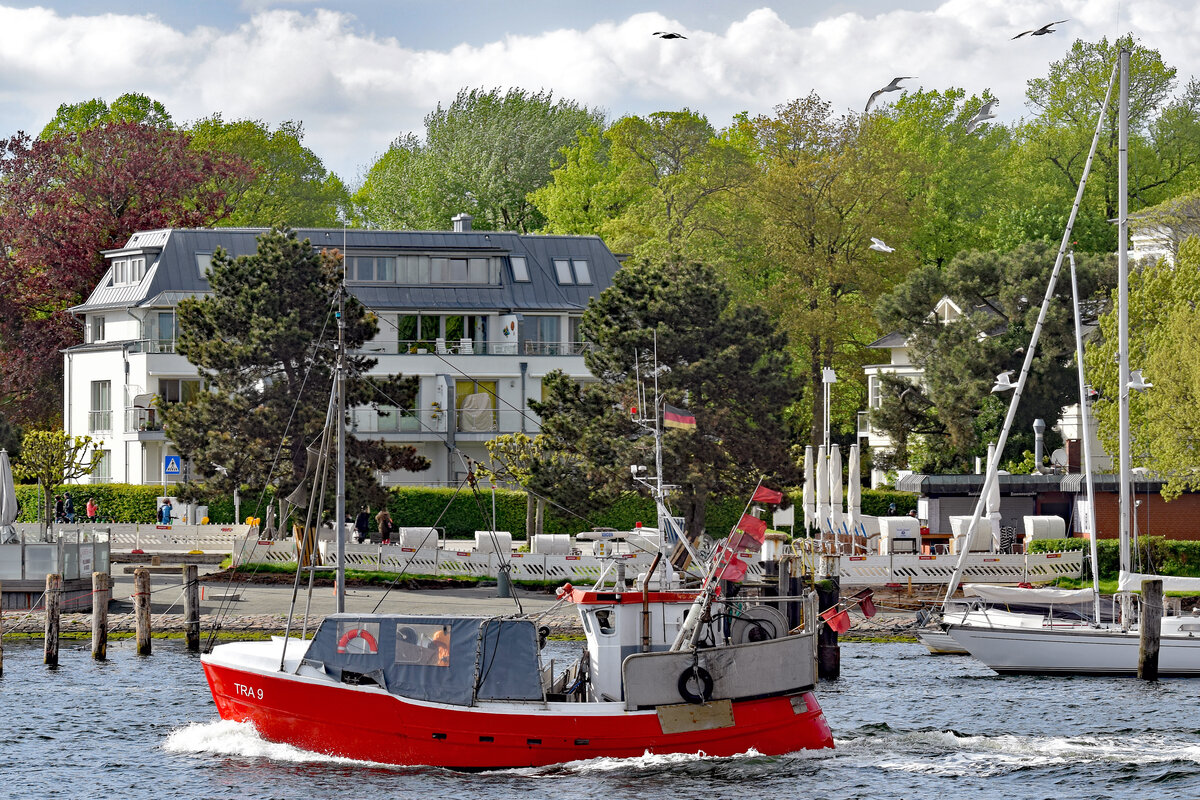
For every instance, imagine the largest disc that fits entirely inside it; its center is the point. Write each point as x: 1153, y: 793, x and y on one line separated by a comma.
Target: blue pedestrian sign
x: 171, y: 465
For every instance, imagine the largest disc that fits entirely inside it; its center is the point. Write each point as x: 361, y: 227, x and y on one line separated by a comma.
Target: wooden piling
x: 101, y: 592
x: 191, y: 607
x: 1151, y: 629
x: 141, y: 609
x: 53, y: 610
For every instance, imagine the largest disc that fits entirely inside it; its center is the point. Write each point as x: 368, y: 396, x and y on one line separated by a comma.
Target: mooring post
x: 1151, y: 629
x: 141, y: 609
x: 1, y: 630
x: 101, y: 592
x: 829, y: 595
x: 191, y: 607
x: 53, y: 609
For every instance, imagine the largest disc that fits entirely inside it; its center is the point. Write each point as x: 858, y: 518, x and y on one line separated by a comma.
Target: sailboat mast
x: 340, y: 504
x: 1123, y: 320
x: 1085, y: 434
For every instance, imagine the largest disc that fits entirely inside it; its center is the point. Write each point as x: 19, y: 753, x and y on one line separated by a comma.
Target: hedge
x: 1158, y: 554
x: 418, y: 506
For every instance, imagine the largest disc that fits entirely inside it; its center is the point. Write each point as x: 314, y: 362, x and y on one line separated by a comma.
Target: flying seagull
x: 1042, y: 31
x: 672, y: 35
x: 986, y: 111
x: 1137, y: 382
x: 1003, y: 382
x: 894, y: 86
x: 878, y: 244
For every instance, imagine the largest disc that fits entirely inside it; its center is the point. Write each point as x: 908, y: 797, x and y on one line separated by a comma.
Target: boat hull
x: 369, y: 724
x: 1073, y: 650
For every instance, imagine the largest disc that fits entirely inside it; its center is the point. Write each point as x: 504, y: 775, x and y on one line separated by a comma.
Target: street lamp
x: 828, y: 378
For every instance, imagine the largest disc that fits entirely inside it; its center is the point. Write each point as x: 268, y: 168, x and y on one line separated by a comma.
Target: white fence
x: 875, y: 570
x: 155, y: 538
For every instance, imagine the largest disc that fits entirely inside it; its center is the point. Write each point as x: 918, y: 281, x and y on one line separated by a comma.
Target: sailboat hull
x: 1064, y: 649
x: 368, y: 723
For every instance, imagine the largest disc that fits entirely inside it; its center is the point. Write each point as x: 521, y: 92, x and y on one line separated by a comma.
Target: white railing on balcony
x: 557, y: 348
x: 151, y: 346
x: 478, y: 421
x: 141, y: 419
x: 100, y: 421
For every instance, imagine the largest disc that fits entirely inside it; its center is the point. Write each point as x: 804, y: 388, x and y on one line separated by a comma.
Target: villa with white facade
x: 478, y: 317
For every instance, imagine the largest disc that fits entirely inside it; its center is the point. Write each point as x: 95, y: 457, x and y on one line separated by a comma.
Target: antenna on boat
x: 340, y: 503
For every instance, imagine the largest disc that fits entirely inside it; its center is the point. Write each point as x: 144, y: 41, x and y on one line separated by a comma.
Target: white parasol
x: 993, y: 503
x: 810, y: 499
x: 853, y: 491
x: 835, y: 489
x: 822, y: 473
x: 8, y: 498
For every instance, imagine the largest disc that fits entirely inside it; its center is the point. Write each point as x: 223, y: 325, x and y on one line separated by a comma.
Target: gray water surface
x: 907, y: 725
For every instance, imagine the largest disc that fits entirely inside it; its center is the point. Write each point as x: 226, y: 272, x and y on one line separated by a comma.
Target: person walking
x: 386, y: 526
x: 362, y: 524
x: 92, y: 509
x: 164, y: 513
x: 59, y: 516
x: 68, y: 508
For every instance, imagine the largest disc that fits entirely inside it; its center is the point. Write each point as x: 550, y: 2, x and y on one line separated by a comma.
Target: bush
x: 1158, y: 555
x: 119, y: 502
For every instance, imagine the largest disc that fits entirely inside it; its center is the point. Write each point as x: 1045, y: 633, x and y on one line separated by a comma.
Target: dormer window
x: 128, y: 271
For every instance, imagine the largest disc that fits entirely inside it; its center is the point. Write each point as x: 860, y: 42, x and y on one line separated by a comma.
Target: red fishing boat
x: 665, y: 669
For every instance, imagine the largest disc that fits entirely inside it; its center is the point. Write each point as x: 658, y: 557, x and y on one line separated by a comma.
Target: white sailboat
x: 1041, y: 643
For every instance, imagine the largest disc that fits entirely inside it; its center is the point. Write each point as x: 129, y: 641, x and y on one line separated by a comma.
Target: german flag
x: 678, y: 418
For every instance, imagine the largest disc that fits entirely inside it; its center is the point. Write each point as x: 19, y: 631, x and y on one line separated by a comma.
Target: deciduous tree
x: 65, y: 199
x: 54, y: 457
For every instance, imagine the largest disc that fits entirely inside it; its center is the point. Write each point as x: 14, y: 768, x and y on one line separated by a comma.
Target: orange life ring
x: 358, y: 633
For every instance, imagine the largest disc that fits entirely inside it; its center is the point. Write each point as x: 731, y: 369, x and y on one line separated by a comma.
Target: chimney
x: 462, y: 223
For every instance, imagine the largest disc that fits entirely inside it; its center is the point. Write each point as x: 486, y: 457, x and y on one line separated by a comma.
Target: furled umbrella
x: 853, y: 491
x: 8, y: 499
x: 822, y: 472
x: 810, y: 498
x: 835, y: 489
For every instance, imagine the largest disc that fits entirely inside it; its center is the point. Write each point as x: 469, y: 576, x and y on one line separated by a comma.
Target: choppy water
x: 907, y: 725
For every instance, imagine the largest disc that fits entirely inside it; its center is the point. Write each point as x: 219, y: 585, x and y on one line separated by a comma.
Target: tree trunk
x: 530, y: 517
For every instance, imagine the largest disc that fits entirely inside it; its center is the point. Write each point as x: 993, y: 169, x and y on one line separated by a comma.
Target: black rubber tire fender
x: 701, y: 676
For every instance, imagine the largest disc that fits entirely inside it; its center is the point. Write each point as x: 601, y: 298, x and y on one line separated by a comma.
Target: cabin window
x: 423, y: 644
x: 605, y: 623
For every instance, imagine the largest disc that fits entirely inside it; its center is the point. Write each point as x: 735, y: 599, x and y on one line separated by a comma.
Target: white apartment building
x: 478, y: 317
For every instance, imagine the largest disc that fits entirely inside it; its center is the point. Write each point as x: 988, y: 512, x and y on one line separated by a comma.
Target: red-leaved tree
x: 62, y: 201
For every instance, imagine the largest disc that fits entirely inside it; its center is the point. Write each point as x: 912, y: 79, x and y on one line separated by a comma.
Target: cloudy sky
x: 358, y: 73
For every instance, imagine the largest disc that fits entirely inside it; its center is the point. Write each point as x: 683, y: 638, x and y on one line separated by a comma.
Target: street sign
x: 171, y: 465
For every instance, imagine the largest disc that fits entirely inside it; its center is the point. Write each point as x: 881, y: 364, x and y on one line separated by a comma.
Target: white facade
x: 471, y: 387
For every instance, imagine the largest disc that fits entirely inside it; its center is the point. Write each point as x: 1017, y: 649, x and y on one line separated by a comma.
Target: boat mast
x: 994, y: 462
x: 340, y: 504
x: 1086, y: 435
x: 1125, y: 505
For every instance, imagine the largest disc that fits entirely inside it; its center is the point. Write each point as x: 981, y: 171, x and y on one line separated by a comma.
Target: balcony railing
x: 474, y: 347
x: 141, y: 419
x: 478, y: 421
x: 151, y: 346
x: 100, y: 421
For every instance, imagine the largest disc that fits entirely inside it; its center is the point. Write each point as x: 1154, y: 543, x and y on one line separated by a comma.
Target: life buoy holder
x: 705, y: 683
x: 358, y: 633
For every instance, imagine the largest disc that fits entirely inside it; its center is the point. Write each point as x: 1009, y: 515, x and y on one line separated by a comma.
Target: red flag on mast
x: 764, y: 495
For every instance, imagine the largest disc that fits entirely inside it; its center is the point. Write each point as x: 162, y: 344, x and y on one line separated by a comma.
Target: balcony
x: 474, y: 347
x: 100, y: 421
x: 151, y: 346
x: 142, y: 420
x: 556, y: 348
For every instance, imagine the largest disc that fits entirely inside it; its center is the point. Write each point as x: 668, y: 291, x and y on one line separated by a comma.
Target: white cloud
x: 355, y: 92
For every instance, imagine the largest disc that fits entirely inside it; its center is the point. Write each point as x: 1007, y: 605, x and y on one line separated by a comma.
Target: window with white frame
x: 100, y: 416
x: 128, y: 271
x: 103, y: 468
x: 95, y: 329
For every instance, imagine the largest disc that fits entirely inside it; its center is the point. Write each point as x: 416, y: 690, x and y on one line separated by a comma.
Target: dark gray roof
x: 172, y: 271
x: 893, y: 339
